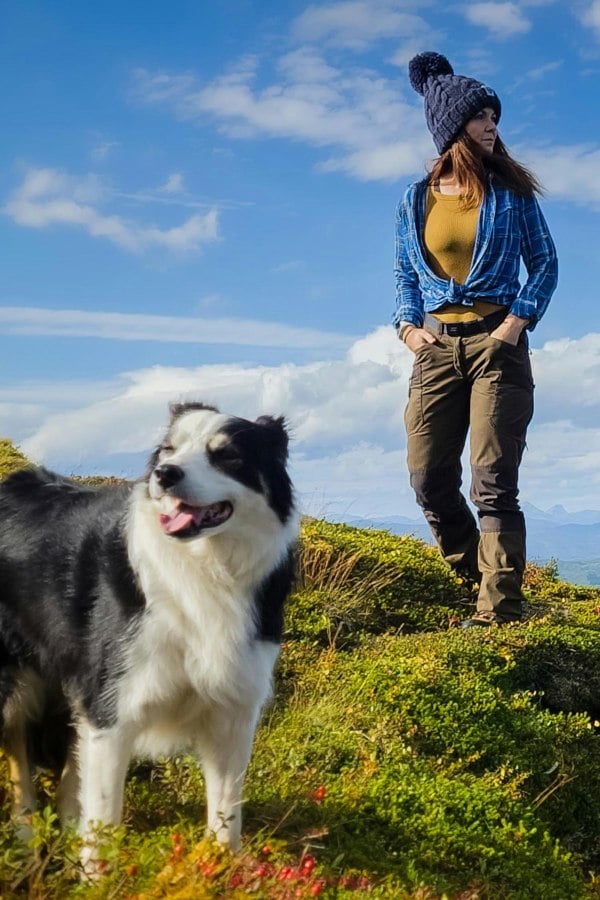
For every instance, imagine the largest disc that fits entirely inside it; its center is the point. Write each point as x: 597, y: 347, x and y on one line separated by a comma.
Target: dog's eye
x: 166, y: 448
x: 226, y: 453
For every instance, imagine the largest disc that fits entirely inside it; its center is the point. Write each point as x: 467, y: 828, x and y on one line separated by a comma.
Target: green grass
x: 11, y: 458
x: 400, y: 757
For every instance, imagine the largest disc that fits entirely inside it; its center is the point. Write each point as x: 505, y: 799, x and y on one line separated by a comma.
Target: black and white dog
x: 146, y: 618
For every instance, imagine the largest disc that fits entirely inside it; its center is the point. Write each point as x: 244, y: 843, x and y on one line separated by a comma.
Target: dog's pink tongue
x: 179, y: 519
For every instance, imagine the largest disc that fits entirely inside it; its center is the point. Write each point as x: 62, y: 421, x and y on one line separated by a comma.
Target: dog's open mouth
x: 188, y: 521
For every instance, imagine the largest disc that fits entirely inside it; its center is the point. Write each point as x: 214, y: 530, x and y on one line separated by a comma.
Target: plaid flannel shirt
x: 510, y: 228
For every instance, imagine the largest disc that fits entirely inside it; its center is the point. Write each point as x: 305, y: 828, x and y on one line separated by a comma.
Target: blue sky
x: 197, y: 200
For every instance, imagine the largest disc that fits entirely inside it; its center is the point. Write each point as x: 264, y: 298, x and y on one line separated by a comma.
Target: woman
x: 461, y: 234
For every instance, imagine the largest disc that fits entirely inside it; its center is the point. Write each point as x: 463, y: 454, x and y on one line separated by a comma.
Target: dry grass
x: 323, y: 567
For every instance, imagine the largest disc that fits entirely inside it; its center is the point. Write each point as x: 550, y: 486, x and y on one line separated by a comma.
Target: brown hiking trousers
x: 484, y: 384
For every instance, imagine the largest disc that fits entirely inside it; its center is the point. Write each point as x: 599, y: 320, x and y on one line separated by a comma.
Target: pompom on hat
x: 450, y: 100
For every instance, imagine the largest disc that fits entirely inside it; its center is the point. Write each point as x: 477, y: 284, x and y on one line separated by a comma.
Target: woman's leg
x: 501, y: 409
x: 436, y: 420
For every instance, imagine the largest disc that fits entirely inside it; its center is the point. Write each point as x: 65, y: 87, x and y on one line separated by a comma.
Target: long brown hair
x: 471, y: 168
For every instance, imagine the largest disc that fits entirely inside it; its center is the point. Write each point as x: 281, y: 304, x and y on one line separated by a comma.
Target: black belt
x: 464, y: 329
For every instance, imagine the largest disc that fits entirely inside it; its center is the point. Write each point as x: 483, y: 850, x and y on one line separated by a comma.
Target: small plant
x: 11, y: 459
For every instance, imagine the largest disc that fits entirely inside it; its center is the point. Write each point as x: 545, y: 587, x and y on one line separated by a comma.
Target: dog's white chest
x: 175, y: 651
x: 181, y: 666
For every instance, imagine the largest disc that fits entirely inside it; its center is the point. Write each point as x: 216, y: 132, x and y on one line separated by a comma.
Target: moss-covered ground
x: 401, y: 757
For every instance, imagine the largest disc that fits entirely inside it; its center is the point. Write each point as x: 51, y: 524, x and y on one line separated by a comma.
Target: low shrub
x: 11, y: 459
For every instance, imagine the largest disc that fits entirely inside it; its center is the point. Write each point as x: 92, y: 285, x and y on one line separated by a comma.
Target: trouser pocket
x: 501, y: 405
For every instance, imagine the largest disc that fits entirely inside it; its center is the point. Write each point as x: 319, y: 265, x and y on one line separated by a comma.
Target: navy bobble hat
x: 450, y: 100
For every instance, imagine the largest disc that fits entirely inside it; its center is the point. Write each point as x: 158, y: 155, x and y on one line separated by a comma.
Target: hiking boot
x: 485, y: 619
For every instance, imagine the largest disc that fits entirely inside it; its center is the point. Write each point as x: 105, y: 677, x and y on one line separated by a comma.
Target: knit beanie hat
x: 450, y: 100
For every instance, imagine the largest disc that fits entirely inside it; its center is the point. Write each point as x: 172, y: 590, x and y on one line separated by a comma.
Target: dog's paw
x: 23, y: 827
x: 92, y: 866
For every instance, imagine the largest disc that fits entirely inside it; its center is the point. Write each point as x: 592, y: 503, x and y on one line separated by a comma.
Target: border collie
x: 145, y: 618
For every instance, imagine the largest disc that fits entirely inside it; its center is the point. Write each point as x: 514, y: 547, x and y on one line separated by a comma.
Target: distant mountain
x: 580, y: 571
x: 573, y: 539
x: 564, y: 542
x: 558, y: 515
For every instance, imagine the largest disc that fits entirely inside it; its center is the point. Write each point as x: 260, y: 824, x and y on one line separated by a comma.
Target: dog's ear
x: 275, y: 429
x: 179, y: 409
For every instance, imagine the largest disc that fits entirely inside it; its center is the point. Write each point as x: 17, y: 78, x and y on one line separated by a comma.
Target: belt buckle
x: 453, y: 329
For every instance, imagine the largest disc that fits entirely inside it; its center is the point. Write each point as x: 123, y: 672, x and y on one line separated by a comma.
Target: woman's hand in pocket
x: 418, y: 338
x: 509, y: 330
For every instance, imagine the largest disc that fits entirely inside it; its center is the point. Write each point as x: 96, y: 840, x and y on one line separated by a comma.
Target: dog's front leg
x: 224, y: 750
x: 69, y: 790
x: 104, y: 755
x: 23, y: 791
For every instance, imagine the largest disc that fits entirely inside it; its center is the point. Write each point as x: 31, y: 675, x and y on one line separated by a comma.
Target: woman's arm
x: 539, y: 255
x: 409, y: 303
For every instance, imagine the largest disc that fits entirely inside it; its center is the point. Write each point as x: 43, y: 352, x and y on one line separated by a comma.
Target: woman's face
x: 483, y: 129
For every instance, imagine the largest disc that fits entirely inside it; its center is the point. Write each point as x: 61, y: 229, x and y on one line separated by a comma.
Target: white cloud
x: 173, y: 185
x: 349, y: 483
x: 590, y: 16
x: 388, y: 161
x: 356, y: 24
x: 355, y: 113
x: 360, y: 118
x: 562, y: 465
x: 23, y: 320
x: 503, y: 20
x: 541, y: 71
x: 346, y: 419
x: 25, y: 404
x: 568, y: 371
x: 570, y: 172
x: 49, y: 197
x: 103, y: 150
x: 289, y: 265
x: 330, y: 404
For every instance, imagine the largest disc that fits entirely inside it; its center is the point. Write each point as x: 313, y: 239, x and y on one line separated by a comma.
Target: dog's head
x: 211, y: 469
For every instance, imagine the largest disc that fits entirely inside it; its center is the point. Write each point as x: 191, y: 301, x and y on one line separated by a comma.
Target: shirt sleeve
x: 409, y: 301
x: 539, y: 255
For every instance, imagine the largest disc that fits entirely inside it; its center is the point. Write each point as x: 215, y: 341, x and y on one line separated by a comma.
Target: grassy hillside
x: 401, y: 757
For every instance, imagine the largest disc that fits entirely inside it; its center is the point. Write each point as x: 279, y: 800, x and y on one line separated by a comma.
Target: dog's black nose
x: 168, y: 475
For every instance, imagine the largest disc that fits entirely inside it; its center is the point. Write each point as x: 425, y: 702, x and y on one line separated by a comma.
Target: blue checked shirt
x: 510, y: 228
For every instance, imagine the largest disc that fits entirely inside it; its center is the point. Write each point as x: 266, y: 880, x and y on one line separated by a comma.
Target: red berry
x: 235, y: 880
x: 308, y: 863
x: 176, y: 837
x: 178, y: 850
x: 132, y: 870
x: 316, y: 888
x: 319, y: 794
x: 207, y: 868
x: 266, y: 850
